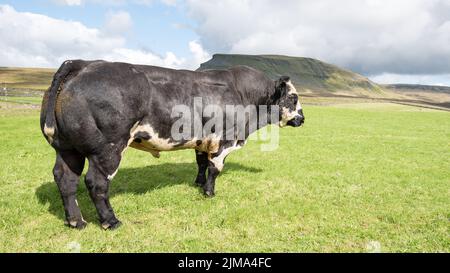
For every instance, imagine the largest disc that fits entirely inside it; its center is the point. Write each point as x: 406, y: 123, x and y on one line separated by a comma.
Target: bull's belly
x: 138, y: 146
x: 145, y: 138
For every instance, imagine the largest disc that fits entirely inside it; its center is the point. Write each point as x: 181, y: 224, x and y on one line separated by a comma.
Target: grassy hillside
x: 29, y: 78
x: 429, y: 94
x: 355, y: 178
x: 418, y: 88
x: 313, y: 76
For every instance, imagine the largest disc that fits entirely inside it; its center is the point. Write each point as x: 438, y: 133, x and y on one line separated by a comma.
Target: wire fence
x: 23, y: 96
x: 20, y: 92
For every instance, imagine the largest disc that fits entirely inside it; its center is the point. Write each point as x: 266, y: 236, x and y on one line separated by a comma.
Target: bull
x: 94, y: 110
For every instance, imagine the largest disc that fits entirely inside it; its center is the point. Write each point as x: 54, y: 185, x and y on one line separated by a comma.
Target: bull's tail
x: 50, y: 129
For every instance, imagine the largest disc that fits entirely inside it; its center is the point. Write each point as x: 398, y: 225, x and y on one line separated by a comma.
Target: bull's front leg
x: 216, y: 162
x: 213, y: 172
x: 202, y: 163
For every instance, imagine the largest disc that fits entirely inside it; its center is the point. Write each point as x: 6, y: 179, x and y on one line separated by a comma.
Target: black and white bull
x: 96, y: 109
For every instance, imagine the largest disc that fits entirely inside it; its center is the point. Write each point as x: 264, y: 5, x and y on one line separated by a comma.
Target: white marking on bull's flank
x: 218, y: 160
x: 130, y: 140
x: 155, y: 142
x: 49, y: 132
x: 133, y: 132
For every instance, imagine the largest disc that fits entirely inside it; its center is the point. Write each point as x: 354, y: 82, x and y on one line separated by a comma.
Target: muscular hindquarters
x: 95, y: 109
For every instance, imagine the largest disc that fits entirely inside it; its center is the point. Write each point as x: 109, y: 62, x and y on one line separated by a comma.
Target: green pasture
x: 22, y: 100
x: 355, y: 178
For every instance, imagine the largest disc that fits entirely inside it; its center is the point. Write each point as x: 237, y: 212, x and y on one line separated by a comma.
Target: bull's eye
x: 295, y: 99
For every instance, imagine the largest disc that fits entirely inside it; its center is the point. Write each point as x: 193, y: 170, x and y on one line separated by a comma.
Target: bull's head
x: 286, y: 97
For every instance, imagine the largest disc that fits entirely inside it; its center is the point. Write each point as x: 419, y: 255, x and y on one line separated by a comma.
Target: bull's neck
x: 263, y: 100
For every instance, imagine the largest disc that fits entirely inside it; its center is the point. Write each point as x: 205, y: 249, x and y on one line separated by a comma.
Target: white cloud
x: 115, y: 2
x: 150, y: 2
x: 34, y: 40
x: 143, y: 57
x: 370, y: 37
x: 439, y: 79
x: 29, y: 39
x: 170, y: 2
x: 82, y: 2
x: 118, y: 22
x: 69, y: 2
x: 199, y: 54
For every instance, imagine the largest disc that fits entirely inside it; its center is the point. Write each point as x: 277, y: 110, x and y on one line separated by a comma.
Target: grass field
x: 355, y: 178
x: 22, y: 100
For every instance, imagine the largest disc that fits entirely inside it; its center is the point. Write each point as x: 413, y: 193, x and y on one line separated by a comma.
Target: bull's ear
x: 281, y: 82
x: 284, y: 79
x: 280, y: 87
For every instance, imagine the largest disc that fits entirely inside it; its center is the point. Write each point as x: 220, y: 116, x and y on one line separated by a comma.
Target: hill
x: 418, y: 88
x: 313, y: 76
x: 318, y: 82
x: 428, y: 94
x: 26, y: 78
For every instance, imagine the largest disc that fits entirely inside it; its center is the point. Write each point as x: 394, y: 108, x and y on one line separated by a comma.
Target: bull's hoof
x: 209, y: 193
x: 200, y: 181
x: 80, y: 224
x: 111, y: 225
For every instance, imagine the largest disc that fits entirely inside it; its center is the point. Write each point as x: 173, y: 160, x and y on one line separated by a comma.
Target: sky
x: 401, y: 41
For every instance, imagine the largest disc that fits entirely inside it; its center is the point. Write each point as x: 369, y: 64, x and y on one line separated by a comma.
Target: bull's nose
x: 302, y: 119
x: 301, y: 116
x: 297, y: 121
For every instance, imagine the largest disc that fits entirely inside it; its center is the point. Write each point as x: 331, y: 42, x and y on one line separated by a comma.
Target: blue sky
x: 156, y: 27
x: 402, y: 41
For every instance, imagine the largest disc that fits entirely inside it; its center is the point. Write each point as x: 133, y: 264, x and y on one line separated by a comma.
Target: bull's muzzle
x: 298, y: 120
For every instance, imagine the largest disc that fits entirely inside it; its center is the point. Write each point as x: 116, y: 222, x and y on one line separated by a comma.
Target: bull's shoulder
x: 219, y: 75
x: 244, y: 71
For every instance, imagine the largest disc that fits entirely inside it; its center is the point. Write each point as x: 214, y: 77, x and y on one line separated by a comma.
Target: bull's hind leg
x: 68, y: 168
x: 202, y: 163
x: 102, y: 168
